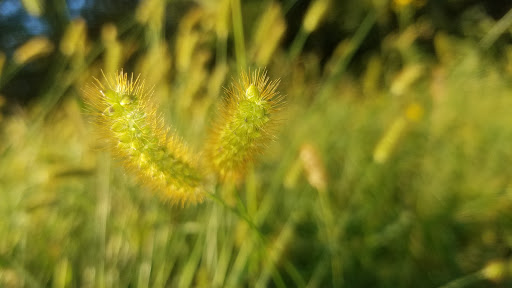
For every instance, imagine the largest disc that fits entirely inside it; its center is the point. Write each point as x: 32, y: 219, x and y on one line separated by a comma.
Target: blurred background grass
x: 391, y: 168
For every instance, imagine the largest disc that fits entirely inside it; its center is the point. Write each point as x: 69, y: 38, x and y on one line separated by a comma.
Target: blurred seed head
x: 113, y: 49
x: 109, y: 33
x: 155, y: 62
x: 34, y: 48
x: 33, y: 7
x: 11, y: 278
x: 189, y: 38
x: 405, y: 79
x: 414, y: 112
x: 73, y: 40
x: 497, y: 270
x: 401, y: 4
x: 2, y: 62
x: 222, y: 18
x: 151, y: 13
x: 387, y: 143
x: 315, y: 14
x: 194, y: 80
x: 270, y: 30
x: 314, y: 167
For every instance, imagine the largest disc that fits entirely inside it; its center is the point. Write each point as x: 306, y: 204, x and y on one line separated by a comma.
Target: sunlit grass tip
x: 127, y: 119
x: 245, y: 124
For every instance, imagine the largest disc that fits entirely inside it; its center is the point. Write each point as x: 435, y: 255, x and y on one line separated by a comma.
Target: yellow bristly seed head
x: 136, y: 134
x: 245, y: 124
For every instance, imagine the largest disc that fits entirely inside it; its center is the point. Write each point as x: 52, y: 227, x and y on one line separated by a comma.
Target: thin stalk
x: 238, y: 31
x: 238, y: 213
x: 497, y: 30
x: 341, y: 65
x: 242, y: 213
x: 298, y: 44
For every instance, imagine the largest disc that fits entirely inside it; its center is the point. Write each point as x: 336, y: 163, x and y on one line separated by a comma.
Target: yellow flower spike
x: 244, y: 126
x: 134, y: 132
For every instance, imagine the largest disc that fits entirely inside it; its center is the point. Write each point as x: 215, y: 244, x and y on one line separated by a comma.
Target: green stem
x: 355, y: 44
x: 238, y: 30
x: 298, y: 44
x: 497, y: 30
x: 236, y: 212
x: 242, y: 213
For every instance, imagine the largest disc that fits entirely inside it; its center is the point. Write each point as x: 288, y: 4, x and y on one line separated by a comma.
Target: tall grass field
x: 286, y: 143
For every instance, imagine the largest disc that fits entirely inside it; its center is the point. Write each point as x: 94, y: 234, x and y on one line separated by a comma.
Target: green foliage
x: 391, y: 168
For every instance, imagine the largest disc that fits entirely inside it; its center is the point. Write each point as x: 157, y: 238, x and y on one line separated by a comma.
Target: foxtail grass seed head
x: 245, y: 124
x: 135, y: 133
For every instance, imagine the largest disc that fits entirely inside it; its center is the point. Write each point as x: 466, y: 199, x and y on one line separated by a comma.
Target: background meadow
x: 391, y: 166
